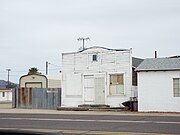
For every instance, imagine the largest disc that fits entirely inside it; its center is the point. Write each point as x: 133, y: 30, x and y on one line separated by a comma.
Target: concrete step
x: 72, y: 109
x: 94, y: 105
x: 91, y: 109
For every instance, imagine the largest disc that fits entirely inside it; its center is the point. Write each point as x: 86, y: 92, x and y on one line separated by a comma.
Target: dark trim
x: 33, y: 83
x: 97, y: 47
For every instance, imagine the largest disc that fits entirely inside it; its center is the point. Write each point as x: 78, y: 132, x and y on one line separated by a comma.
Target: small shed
x: 39, y: 81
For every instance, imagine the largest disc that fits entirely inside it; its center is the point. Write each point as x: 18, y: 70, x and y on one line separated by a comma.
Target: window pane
x: 116, y: 79
x: 113, y: 79
x: 176, y: 81
x: 112, y: 90
x: 120, y: 89
x: 94, y: 57
x: 120, y: 79
x: 3, y: 94
x: 176, y: 87
x: 176, y: 90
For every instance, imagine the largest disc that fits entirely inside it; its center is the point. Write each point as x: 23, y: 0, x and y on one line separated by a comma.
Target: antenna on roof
x: 83, y: 39
x: 8, y: 70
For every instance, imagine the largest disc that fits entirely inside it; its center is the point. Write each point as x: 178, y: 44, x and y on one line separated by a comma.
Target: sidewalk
x: 40, y: 111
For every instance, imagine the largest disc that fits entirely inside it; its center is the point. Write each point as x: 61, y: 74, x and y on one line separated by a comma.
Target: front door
x: 99, y: 90
x: 94, y: 89
x: 88, y: 89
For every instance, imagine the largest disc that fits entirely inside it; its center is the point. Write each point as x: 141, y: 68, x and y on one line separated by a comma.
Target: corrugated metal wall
x: 38, y: 98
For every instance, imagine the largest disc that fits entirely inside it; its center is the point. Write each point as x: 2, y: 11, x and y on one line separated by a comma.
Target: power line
x: 47, y: 67
x: 18, y: 71
x: 54, y: 65
x: 25, y: 71
x: 13, y: 71
x: 15, y: 75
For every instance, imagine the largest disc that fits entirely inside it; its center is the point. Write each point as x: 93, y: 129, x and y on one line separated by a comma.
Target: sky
x: 35, y: 31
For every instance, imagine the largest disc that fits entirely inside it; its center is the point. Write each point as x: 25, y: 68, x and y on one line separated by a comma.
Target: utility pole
x: 47, y: 68
x: 8, y: 70
x: 83, y: 39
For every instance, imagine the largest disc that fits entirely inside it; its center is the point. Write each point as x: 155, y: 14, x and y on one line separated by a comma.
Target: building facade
x: 97, y: 75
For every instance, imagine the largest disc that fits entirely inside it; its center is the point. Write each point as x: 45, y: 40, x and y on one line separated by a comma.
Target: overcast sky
x: 35, y: 31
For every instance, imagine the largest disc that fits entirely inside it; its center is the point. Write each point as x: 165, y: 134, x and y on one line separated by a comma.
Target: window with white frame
x: 176, y: 87
x: 116, y: 86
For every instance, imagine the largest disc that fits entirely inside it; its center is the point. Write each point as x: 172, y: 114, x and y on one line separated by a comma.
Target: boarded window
x: 116, y: 84
x: 176, y: 87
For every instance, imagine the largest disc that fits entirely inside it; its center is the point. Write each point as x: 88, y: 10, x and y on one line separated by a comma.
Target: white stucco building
x: 159, y: 85
x: 98, y: 75
x: 5, y: 95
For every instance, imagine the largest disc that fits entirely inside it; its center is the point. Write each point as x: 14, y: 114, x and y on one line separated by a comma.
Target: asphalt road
x: 91, y: 124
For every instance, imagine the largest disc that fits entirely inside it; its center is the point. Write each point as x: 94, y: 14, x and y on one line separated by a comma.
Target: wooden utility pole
x: 83, y: 39
x: 47, y: 68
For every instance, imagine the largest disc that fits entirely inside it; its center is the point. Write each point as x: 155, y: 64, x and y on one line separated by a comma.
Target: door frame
x: 83, y: 90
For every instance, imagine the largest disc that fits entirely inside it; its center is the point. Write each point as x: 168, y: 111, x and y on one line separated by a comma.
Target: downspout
x: 130, y: 54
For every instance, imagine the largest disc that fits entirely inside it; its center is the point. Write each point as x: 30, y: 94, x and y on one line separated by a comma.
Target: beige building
x: 39, y: 81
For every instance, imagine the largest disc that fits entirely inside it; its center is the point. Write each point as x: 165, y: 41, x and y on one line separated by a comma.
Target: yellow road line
x: 88, y: 132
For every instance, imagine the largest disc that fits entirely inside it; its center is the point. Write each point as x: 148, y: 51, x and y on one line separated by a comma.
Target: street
x: 92, y: 124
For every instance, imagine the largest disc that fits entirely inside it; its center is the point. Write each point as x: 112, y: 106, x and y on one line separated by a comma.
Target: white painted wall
x: 7, y: 97
x: 155, y: 91
x: 76, y: 65
x: 71, y: 89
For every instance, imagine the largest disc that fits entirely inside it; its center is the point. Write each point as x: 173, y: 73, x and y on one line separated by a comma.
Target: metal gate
x: 38, y: 98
